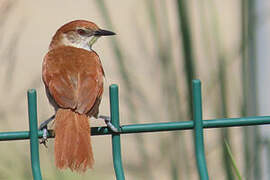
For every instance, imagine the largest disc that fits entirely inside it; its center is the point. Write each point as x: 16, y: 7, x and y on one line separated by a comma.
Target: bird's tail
x: 72, y: 146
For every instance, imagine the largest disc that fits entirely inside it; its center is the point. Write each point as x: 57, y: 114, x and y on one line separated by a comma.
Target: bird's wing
x: 74, y: 77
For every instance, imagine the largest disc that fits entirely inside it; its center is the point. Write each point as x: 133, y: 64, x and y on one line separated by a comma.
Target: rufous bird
x: 73, y: 76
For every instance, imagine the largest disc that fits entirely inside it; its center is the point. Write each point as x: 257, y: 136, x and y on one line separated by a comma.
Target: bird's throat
x: 92, y: 41
x: 77, y: 42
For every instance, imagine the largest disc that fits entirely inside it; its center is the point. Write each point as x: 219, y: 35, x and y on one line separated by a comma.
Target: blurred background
x: 159, y: 48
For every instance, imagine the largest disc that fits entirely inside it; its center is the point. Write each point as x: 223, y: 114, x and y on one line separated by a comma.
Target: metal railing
x: 198, y: 124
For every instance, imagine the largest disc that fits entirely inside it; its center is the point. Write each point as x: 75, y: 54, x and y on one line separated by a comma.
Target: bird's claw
x: 44, y: 139
x: 107, y: 120
x: 44, y: 127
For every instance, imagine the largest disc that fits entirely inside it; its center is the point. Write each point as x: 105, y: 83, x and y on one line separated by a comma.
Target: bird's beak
x: 102, y: 32
x: 98, y: 34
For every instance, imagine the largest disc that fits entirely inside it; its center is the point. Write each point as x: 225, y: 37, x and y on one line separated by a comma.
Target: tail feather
x: 72, y: 148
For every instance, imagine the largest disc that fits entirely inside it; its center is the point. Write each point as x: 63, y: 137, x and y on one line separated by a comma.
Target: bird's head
x: 79, y: 33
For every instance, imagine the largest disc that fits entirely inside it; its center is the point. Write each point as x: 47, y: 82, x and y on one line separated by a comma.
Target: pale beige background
x: 33, y: 23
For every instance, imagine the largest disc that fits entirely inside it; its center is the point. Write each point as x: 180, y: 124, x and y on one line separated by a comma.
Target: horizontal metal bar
x: 153, y: 127
x: 14, y: 135
x: 230, y: 122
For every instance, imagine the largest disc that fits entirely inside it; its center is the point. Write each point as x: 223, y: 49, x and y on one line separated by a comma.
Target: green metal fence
x: 197, y: 125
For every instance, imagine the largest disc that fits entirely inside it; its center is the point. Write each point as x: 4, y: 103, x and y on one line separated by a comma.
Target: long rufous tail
x: 72, y: 146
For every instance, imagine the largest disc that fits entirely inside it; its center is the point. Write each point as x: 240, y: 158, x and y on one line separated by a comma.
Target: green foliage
x: 233, y: 162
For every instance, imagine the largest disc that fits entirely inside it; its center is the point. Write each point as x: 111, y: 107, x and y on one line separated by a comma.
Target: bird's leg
x: 44, y: 127
x: 107, y: 120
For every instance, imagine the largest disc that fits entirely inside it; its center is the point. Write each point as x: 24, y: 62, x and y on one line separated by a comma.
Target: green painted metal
x: 15, y: 135
x: 198, y: 129
x: 33, y: 134
x: 116, y: 143
x: 153, y: 127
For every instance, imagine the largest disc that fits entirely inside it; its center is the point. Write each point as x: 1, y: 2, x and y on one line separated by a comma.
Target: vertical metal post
x: 198, y: 128
x: 116, y: 143
x: 33, y: 127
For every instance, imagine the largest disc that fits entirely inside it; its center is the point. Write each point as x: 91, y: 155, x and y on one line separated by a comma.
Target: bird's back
x: 74, y: 77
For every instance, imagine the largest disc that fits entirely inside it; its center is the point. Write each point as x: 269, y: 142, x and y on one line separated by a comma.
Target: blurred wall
x: 263, y: 74
x: 147, y: 31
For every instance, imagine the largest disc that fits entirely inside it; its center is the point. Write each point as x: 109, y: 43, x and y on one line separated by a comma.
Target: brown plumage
x: 72, y: 141
x: 73, y: 78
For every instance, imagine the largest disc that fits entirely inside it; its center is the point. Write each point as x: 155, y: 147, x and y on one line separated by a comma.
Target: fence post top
x: 31, y: 91
x: 113, y: 86
x: 196, y: 81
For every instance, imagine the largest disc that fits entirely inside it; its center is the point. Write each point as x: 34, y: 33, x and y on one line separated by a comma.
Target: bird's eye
x: 82, y: 32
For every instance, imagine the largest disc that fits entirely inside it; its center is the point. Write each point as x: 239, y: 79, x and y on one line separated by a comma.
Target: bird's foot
x: 107, y: 120
x: 45, y: 123
x: 44, y: 127
x: 44, y: 139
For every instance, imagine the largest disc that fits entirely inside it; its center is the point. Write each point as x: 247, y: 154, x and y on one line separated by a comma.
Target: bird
x: 73, y: 76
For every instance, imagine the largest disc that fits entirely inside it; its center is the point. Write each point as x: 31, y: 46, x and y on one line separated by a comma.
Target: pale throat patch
x: 78, y: 41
